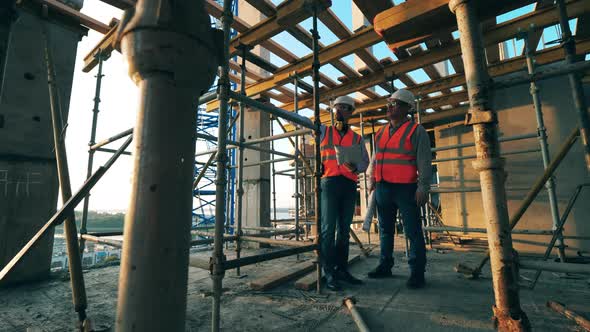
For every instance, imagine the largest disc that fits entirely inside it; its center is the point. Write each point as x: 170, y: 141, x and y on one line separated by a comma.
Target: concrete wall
x: 517, y: 116
x: 28, y: 175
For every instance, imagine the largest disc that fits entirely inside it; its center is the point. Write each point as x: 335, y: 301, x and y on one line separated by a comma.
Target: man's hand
x: 421, y: 198
x: 371, y: 185
x: 350, y: 167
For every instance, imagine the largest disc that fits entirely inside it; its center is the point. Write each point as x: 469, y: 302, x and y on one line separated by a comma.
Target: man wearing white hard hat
x: 400, y: 175
x: 338, y: 198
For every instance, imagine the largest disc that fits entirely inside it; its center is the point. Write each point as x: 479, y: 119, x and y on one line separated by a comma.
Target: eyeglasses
x: 395, y: 103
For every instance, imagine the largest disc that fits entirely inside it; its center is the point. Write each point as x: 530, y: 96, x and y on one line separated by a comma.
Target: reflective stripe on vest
x: 395, y: 159
x: 328, y: 152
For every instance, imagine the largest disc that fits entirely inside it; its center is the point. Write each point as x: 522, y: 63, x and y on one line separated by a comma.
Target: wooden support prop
x: 275, y: 279
x: 309, y: 281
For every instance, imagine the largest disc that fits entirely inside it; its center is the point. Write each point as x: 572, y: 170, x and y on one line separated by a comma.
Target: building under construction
x: 501, y: 86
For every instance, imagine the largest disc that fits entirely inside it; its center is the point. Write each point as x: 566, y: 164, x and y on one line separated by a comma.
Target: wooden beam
x: 512, y: 65
x: 277, y: 278
x: 288, y: 14
x: 417, y: 17
x: 84, y: 20
x: 370, y: 8
x: 496, y: 34
x: 106, y: 46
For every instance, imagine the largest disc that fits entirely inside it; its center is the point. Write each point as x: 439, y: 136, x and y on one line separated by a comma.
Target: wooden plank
x: 544, y: 57
x: 498, y: 33
x: 309, y: 281
x: 280, y: 277
x: 84, y: 20
x: 370, y: 8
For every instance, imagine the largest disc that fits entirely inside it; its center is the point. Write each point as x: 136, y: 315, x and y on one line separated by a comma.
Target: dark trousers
x: 338, y: 200
x: 390, y: 197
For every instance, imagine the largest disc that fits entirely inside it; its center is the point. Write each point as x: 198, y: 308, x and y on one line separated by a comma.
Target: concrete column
x: 257, y: 189
x: 28, y: 176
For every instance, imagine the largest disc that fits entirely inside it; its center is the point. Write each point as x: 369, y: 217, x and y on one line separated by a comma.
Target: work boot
x: 332, y: 284
x: 380, y: 272
x: 416, y: 280
x: 345, y: 276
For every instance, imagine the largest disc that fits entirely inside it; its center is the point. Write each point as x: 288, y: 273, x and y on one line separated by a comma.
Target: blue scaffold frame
x: 204, y: 193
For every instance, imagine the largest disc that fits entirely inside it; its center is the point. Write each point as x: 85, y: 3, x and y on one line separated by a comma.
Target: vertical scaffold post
x: 507, y: 311
x: 240, y: 178
x: 318, y: 158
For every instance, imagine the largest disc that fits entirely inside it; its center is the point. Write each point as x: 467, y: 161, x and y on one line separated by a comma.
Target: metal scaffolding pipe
x: 317, y: 133
x: 264, y: 162
x: 113, y: 151
x: 569, y: 46
x: 71, y: 234
x: 269, y: 108
x: 507, y: 153
x: 295, y: 133
x: 234, y: 263
x: 207, y: 97
x: 507, y: 311
x: 542, y: 74
x: 235, y: 144
x: 550, y: 184
x: 95, y: 146
x: 560, y: 308
x: 99, y: 56
x: 531, y: 264
x: 98, y: 239
x: 483, y: 230
x: 218, y: 258
x: 297, y: 154
x: 501, y: 139
x: 164, y: 49
x: 66, y: 210
x: 258, y: 238
x: 349, y: 302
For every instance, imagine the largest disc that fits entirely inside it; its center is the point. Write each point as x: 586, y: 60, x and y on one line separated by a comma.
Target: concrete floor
x: 448, y: 303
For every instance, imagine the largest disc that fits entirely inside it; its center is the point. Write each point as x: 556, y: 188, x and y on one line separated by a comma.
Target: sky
x: 119, y: 103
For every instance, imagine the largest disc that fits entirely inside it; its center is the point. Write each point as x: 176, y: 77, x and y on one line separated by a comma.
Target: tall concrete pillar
x: 28, y: 175
x: 257, y: 189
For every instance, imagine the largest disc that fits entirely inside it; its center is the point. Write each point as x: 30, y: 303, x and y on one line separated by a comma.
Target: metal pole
x: 365, y: 179
x: 550, y: 185
x: 305, y: 189
x: 356, y: 316
x: 501, y: 139
x: 331, y: 112
x: 218, y: 258
x: 579, y: 319
x: 165, y: 62
x: 111, y: 139
x: 240, y: 177
x: 569, y: 46
x: 274, y: 178
x: 318, y: 159
x: 71, y: 234
x: 90, y: 164
x: 507, y: 311
x: 279, y: 136
x: 296, y: 101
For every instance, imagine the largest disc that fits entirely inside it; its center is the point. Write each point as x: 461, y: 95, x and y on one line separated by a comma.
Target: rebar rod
x: 318, y: 159
x: 508, y: 314
x: 90, y: 164
x: 550, y: 184
x: 71, y: 234
x: 569, y: 47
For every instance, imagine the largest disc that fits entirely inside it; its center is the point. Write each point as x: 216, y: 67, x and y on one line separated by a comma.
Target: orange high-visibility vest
x: 395, y: 159
x: 328, y: 152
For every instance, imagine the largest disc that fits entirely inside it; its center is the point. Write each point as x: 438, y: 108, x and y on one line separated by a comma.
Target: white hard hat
x: 404, y: 95
x: 345, y: 100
